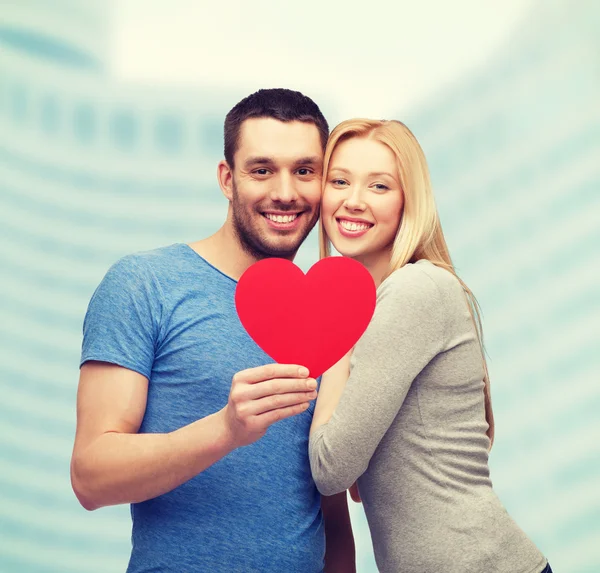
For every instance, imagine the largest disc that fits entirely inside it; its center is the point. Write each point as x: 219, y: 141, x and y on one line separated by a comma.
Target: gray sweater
x: 410, y: 426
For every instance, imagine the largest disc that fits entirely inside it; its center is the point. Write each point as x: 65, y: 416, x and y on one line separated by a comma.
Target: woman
x: 409, y: 415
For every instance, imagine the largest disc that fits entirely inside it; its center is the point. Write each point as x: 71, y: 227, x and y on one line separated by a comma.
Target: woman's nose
x: 355, y: 201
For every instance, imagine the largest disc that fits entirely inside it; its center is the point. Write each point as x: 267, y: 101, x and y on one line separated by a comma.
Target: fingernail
x: 312, y: 384
x: 303, y: 371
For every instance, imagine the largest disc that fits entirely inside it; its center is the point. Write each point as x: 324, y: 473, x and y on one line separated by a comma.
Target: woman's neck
x: 377, y: 264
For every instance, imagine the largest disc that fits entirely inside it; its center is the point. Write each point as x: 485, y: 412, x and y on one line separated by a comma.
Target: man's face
x: 276, y: 185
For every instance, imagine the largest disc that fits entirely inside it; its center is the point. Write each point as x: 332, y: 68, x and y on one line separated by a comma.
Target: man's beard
x: 250, y: 238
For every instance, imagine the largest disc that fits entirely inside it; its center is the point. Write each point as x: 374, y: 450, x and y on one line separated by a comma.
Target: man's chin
x: 282, y: 244
x: 284, y: 251
x: 263, y: 242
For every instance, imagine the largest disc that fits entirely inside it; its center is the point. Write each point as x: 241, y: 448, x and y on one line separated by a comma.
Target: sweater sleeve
x: 404, y: 335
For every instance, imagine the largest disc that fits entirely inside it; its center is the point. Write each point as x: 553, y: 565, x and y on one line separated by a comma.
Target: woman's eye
x: 338, y: 182
x: 381, y: 187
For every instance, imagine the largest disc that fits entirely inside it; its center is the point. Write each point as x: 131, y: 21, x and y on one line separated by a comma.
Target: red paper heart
x: 312, y: 320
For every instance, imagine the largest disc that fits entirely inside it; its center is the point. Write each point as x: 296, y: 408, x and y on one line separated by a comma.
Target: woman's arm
x: 407, y: 330
x: 332, y: 385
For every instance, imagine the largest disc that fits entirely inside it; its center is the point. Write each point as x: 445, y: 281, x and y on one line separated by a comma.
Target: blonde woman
x: 408, y: 412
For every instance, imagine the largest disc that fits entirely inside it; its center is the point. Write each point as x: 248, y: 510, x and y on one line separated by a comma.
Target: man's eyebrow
x: 312, y: 160
x: 309, y: 160
x: 259, y: 160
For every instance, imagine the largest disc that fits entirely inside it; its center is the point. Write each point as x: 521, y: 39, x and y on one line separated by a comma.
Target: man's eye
x: 304, y: 171
x: 261, y: 171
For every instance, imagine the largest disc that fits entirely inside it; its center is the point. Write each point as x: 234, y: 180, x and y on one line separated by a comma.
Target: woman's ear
x: 225, y: 179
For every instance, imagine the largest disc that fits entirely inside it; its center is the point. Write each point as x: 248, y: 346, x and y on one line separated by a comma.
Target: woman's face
x: 362, y: 201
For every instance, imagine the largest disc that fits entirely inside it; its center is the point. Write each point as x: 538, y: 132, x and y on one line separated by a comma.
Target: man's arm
x: 340, y: 556
x: 113, y: 464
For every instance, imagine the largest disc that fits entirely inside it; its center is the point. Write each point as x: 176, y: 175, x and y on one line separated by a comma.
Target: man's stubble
x: 249, y: 236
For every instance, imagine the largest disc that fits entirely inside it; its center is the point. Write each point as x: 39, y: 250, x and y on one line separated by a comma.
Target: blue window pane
x: 49, y: 115
x: 211, y: 137
x: 169, y: 134
x: 124, y: 130
x: 84, y: 123
x: 3, y: 95
x: 19, y: 103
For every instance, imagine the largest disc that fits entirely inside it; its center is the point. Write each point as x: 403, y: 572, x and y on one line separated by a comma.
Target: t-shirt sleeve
x: 406, y: 332
x: 122, y: 322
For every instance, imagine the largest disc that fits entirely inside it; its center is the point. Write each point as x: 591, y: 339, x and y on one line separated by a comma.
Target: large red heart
x: 312, y: 320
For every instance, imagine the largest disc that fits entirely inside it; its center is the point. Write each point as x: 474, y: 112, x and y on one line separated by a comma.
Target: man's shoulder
x: 152, y: 261
x: 143, y: 270
x: 155, y: 256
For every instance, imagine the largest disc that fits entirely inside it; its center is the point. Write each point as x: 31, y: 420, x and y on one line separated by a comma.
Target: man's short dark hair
x: 277, y: 103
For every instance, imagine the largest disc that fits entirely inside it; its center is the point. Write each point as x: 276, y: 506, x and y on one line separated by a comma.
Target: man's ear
x: 225, y: 179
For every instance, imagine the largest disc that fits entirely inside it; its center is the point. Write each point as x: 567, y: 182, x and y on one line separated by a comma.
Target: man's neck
x: 224, y: 251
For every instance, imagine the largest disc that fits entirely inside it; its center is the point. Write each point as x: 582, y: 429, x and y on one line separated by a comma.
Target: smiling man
x: 273, y: 183
x: 175, y: 399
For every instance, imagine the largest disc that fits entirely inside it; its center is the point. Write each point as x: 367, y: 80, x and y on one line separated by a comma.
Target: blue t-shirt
x: 170, y: 315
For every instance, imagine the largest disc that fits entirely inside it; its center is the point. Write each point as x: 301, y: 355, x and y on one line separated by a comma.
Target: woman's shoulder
x: 422, y: 281
x: 425, y: 290
x: 422, y: 274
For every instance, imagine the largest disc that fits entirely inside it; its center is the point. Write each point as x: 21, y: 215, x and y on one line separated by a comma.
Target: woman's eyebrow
x: 372, y: 174
x: 342, y: 169
x: 379, y: 173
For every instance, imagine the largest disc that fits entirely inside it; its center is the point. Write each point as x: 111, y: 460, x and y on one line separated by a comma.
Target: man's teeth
x: 352, y: 226
x: 281, y: 218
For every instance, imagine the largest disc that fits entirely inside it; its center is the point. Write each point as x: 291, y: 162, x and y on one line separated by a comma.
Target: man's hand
x: 340, y: 553
x: 264, y: 395
x: 112, y: 463
x: 354, y: 493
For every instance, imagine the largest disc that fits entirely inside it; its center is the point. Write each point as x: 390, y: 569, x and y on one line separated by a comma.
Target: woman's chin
x: 345, y: 251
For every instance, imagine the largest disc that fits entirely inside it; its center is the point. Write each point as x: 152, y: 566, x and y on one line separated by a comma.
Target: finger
x: 271, y: 371
x: 279, y: 401
x: 273, y: 416
x: 278, y: 386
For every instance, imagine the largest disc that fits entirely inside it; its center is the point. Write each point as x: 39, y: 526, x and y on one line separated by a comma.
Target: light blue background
x: 92, y: 168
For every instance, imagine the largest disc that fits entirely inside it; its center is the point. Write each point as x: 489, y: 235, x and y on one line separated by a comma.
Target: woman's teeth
x: 352, y: 226
x: 281, y: 218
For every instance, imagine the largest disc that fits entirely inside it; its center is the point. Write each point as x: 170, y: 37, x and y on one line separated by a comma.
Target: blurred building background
x: 93, y: 168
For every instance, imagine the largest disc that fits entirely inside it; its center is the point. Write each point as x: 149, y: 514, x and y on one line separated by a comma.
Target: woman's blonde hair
x: 420, y: 233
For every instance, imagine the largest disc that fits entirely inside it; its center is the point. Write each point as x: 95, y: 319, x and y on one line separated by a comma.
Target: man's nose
x: 284, y: 190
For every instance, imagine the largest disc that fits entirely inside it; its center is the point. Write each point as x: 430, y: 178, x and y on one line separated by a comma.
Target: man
x: 175, y: 399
